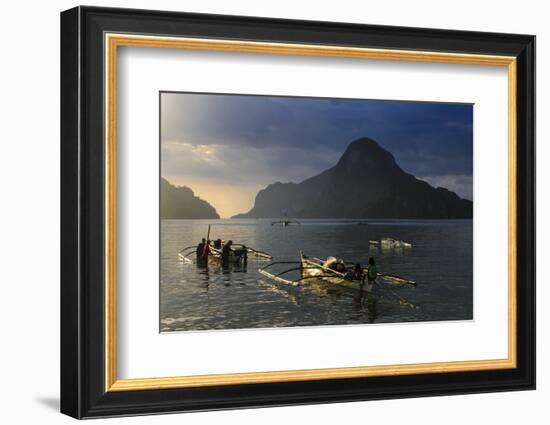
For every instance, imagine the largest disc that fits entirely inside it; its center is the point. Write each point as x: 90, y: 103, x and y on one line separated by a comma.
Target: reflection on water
x: 218, y: 296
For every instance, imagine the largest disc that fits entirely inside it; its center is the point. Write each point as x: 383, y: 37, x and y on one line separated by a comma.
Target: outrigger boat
x: 391, y: 243
x: 238, y: 253
x: 314, y: 270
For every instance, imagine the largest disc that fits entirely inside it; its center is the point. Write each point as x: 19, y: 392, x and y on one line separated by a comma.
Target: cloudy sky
x: 227, y: 147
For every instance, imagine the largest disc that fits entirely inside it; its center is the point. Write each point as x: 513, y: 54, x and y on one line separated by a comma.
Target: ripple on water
x: 194, y: 298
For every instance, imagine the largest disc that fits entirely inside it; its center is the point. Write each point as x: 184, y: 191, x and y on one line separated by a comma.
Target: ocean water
x: 194, y: 297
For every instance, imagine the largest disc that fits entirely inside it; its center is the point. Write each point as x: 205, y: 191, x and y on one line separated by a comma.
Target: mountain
x: 366, y: 182
x: 181, y: 202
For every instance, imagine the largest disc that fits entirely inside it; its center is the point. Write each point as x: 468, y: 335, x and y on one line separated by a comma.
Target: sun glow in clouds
x: 228, y: 147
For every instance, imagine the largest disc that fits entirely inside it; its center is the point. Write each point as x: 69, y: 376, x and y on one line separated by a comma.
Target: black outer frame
x: 82, y: 212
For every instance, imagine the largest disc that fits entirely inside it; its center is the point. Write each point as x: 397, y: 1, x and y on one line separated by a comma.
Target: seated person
x: 340, y: 266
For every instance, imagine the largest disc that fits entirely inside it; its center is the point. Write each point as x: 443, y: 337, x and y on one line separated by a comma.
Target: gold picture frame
x: 114, y: 41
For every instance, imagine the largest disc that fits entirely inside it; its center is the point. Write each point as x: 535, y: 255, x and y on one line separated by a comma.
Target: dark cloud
x: 290, y: 138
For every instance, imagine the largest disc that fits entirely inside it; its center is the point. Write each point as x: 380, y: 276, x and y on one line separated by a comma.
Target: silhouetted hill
x: 366, y: 182
x: 181, y: 202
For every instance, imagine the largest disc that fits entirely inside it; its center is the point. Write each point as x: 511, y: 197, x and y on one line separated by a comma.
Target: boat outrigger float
x: 314, y: 269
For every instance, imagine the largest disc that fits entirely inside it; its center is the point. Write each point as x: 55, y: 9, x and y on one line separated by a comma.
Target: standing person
x: 372, y: 272
x: 200, y: 249
x: 206, y: 250
x: 357, y: 273
x: 245, y: 255
x: 226, y: 252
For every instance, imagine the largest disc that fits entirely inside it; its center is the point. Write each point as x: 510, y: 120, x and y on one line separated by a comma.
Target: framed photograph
x: 261, y: 212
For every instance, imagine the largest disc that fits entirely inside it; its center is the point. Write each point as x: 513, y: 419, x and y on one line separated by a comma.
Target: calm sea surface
x: 213, y: 297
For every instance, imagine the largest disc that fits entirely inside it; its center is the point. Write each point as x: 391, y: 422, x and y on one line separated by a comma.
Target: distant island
x: 177, y: 202
x: 365, y: 183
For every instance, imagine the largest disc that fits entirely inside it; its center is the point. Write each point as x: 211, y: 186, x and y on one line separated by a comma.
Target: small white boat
x: 391, y: 243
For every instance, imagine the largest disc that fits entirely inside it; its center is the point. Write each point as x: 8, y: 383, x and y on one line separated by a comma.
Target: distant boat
x: 285, y: 221
x: 391, y: 243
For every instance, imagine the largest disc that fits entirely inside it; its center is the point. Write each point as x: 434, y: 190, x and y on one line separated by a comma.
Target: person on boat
x: 357, y: 273
x: 200, y: 248
x: 340, y: 266
x: 244, y: 254
x: 226, y: 251
x: 372, y: 272
x: 218, y: 244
